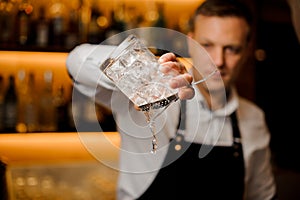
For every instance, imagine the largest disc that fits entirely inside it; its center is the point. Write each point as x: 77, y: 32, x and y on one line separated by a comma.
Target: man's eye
x: 206, y: 45
x: 233, y: 50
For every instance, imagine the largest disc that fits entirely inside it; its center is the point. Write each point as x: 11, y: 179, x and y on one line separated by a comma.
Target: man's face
x: 225, y: 40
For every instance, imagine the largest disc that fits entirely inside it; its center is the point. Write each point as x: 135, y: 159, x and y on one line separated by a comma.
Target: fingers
x: 183, y: 82
x: 187, y: 92
x: 172, y: 67
x: 170, y: 64
x: 167, y: 57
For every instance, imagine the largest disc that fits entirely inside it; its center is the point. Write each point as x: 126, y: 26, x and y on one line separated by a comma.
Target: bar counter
x: 60, y: 165
x: 57, y: 147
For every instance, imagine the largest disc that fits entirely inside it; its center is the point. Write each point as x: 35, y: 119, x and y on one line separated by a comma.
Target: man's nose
x: 218, y: 57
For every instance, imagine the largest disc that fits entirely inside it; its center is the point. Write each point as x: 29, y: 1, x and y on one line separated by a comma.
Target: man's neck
x: 215, y: 99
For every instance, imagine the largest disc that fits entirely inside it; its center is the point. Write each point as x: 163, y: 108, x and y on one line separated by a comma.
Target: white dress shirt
x: 138, y: 166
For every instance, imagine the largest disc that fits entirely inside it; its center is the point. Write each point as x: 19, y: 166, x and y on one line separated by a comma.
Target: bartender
x: 214, y: 144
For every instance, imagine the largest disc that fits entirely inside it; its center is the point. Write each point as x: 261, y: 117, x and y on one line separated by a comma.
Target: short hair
x: 222, y: 8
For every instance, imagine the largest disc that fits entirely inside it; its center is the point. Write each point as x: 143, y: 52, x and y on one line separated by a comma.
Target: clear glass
x: 135, y: 71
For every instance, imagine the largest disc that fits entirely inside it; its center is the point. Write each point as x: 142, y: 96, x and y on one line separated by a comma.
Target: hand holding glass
x: 134, y: 69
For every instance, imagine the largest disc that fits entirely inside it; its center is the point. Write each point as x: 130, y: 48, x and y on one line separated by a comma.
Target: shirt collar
x: 230, y: 106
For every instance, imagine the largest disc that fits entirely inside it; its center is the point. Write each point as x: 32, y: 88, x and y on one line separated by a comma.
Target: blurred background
x: 36, y: 91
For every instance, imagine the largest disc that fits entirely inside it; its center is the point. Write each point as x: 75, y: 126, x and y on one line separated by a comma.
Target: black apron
x: 218, y: 175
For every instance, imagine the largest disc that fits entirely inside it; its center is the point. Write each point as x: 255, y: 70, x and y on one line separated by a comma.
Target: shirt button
x: 178, y: 138
x: 177, y: 147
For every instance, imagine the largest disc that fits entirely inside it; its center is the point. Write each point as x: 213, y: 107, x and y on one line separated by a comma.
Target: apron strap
x: 182, y: 118
x: 235, y: 128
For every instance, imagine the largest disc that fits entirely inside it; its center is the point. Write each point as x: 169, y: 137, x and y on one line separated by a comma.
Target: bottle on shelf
x: 23, y: 22
x: 97, y: 26
x: 160, y: 21
x: 6, y: 22
x: 47, y: 115
x: 72, y: 34
x: 117, y: 25
x: 30, y: 122
x: 10, y: 106
x: 57, y: 24
x: 61, y: 109
x: 42, y: 29
x: 22, y: 92
x: 84, y: 13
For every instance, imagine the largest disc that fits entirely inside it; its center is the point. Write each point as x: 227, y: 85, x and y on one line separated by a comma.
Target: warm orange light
x: 12, y: 62
x: 57, y: 147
